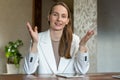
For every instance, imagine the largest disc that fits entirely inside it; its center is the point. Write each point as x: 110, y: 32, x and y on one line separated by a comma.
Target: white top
x: 44, y: 59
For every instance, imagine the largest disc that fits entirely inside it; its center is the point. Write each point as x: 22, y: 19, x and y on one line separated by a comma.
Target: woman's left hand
x: 84, y: 40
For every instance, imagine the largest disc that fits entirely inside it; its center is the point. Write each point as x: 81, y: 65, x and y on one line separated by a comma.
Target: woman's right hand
x: 33, y: 33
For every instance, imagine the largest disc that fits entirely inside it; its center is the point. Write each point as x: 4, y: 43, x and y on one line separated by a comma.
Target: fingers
x: 90, y: 32
x: 33, y: 32
x: 29, y: 26
x: 88, y: 35
x: 36, y: 29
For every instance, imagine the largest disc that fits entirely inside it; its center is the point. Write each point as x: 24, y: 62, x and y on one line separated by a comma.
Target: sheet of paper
x: 116, y: 76
x: 70, y: 75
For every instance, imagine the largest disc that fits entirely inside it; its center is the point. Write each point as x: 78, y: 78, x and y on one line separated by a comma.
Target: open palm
x: 33, y: 33
x: 88, y: 35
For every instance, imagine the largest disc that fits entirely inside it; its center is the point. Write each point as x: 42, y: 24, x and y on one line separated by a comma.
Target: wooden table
x: 90, y: 76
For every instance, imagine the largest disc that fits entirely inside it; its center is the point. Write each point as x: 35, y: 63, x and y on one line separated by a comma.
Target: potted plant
x: 13, y: 56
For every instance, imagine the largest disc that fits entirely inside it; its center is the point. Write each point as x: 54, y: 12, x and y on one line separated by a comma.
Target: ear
x: 67, y: 21
x: 48, y: 17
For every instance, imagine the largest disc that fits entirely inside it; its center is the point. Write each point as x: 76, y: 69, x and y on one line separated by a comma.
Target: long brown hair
x: 66, y: 38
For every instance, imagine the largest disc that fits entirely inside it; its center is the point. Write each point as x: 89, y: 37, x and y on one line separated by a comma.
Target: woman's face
x: 58, y: 18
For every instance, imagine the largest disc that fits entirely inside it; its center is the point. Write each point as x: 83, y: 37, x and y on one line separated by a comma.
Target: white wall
x: 108, y: 36
x: 13, y: 17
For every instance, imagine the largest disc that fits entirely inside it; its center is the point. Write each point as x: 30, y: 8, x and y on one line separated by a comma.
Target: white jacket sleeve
x: 81, y: 60
x: 31, y: 63
x: 81, y: 63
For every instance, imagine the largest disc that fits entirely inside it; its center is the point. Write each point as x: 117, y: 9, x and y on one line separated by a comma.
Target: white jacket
x: 45, y: 60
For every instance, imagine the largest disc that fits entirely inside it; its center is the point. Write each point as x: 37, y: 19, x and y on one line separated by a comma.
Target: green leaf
x: 12, y: 52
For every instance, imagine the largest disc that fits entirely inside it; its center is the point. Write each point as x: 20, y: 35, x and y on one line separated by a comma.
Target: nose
x: 59, y: 18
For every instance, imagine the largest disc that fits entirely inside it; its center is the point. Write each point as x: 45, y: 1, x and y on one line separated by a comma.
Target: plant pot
x: 12, y: 69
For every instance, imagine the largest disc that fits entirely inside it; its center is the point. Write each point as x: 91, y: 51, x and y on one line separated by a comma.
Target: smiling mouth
x: 58, y: 24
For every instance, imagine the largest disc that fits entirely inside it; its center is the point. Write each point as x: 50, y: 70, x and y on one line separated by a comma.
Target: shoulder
x: 44, y: 33
x: 75, y: 38
x: 43, y: 36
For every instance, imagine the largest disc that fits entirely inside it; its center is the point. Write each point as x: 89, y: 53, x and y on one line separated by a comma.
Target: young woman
x: 57, y: 50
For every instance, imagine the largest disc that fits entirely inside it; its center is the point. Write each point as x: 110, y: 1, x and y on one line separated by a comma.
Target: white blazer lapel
x: 64, y: 63
x: 47, y: 50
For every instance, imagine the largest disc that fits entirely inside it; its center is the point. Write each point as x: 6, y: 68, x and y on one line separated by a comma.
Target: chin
x: 58, y: 29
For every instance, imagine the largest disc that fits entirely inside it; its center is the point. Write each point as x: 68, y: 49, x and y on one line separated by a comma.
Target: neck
x: 56, y: 35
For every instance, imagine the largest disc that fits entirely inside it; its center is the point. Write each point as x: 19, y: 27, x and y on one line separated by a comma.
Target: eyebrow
x: 58, y: 13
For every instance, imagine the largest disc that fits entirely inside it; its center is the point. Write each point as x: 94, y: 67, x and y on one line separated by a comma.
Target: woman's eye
x: 54, y: 14
x: 64, y: 16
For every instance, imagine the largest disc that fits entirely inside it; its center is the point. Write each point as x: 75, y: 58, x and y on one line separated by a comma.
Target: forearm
x: 83, y: 49
x: 34, y: 48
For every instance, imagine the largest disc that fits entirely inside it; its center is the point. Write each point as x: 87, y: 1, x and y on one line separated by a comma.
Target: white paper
x: 116, y: 76
x: 70, y: 75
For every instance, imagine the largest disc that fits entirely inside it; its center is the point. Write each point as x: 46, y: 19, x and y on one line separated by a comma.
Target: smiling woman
x: 39, y: 10
x: 70, y: 51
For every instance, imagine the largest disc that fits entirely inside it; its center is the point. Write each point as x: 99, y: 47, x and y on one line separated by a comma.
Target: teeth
x: 58, y: 24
